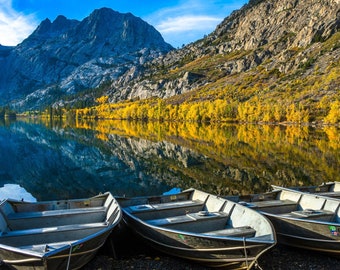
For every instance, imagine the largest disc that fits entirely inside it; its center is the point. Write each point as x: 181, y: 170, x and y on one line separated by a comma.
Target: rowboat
x: 330, y: 189
x: 62, y: 234
x: 303, y: 220
x: 201, y: 227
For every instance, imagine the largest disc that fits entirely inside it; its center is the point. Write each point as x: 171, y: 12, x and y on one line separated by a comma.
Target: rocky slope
x: 66, y: 56
x: 279, y: 35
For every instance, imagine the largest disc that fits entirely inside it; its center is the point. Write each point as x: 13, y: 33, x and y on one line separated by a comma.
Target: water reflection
x: 62, y: 159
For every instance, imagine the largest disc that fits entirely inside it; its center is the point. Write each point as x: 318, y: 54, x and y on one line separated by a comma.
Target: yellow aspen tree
x: 334, y: 113
x: 102, y: 99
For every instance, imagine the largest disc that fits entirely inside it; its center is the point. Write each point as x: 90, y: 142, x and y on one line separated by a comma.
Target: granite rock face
x: 66, y: 56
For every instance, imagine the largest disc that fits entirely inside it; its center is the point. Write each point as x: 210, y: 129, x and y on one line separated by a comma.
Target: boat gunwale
x: 315, y: 195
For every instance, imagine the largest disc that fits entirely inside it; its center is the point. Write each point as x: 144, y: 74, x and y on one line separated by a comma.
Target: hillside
x: 269, y: 61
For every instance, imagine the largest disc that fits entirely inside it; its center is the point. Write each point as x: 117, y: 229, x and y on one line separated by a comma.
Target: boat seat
x: 49, y: 213
x: 198, y: 222
x: 43, y: 236
x: 55, y: 229
x: 163, y: 210
x: 244, y: 231
x: 51, y: 218
x: 191, y: 217
x: 323, y: 215
x: 165, y: 206
x: 275, y: 206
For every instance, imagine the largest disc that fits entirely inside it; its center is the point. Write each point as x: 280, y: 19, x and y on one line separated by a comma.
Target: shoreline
x: 135, y: 254
x: 124, y: 250
x: 279, y: 258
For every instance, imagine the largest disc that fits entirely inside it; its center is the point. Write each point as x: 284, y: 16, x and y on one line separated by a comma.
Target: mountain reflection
x: 63, y: 159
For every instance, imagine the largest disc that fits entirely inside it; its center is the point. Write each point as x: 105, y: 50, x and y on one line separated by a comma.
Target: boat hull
x: 312, y: 235
x: 213, y: 252
x: 58, y: 234
x: 200, y: 227
x: 301, y: 219
x: 75, y: 256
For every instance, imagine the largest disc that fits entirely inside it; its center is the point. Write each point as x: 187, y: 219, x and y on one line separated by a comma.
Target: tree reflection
x: 241, y: 158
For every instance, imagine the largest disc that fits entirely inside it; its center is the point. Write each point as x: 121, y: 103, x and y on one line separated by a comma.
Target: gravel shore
x: 130, y: 252
x: 141, y: 257
x: 279, y: 258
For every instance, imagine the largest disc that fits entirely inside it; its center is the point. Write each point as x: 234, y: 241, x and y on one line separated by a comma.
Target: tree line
x: 210, y: 111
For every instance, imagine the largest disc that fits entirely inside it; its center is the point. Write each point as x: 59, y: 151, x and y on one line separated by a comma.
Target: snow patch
x: 15, y: 192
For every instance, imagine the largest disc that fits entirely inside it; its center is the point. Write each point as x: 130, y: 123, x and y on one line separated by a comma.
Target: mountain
x: 66, y: 56
x: 279, y: 35
x: 279, y: 52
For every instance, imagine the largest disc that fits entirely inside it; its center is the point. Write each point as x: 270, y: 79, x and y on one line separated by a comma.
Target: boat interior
x: 293, y: 204
x: 198, y: 212
x: 44, y: 226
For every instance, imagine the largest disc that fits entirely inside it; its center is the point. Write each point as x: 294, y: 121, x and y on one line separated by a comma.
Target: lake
x: 56, y: 159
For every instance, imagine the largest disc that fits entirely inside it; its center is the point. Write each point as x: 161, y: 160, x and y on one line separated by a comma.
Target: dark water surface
x: 73, y: 160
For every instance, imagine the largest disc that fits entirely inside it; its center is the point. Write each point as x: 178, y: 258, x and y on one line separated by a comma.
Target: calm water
x: 63, y: 160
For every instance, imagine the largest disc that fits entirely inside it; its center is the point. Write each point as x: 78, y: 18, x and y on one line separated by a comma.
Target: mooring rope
x: 245, y: 251
x: 69, y: 257
x: 257, y: 266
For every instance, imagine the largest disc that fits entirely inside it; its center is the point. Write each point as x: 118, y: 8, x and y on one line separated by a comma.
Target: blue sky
x: 179, y: 21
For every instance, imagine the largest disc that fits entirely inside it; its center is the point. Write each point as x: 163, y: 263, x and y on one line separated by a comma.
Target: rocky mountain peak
x: 120, y: 30
x: 66, y: 56
x: 60, y: 25
x: 43, y: 27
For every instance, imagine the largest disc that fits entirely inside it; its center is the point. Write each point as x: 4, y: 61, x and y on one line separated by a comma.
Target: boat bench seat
x: 244, y: 231
x: 55, y: 229
x: 43, y: 236
x: 52, y: 218
x: 191, y: 217
x: 323, y: 215
x: 194, y: 222
x: 279, y: 206
x: 168, y: 209
x: 50, y: 213
x: 166, y: 206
